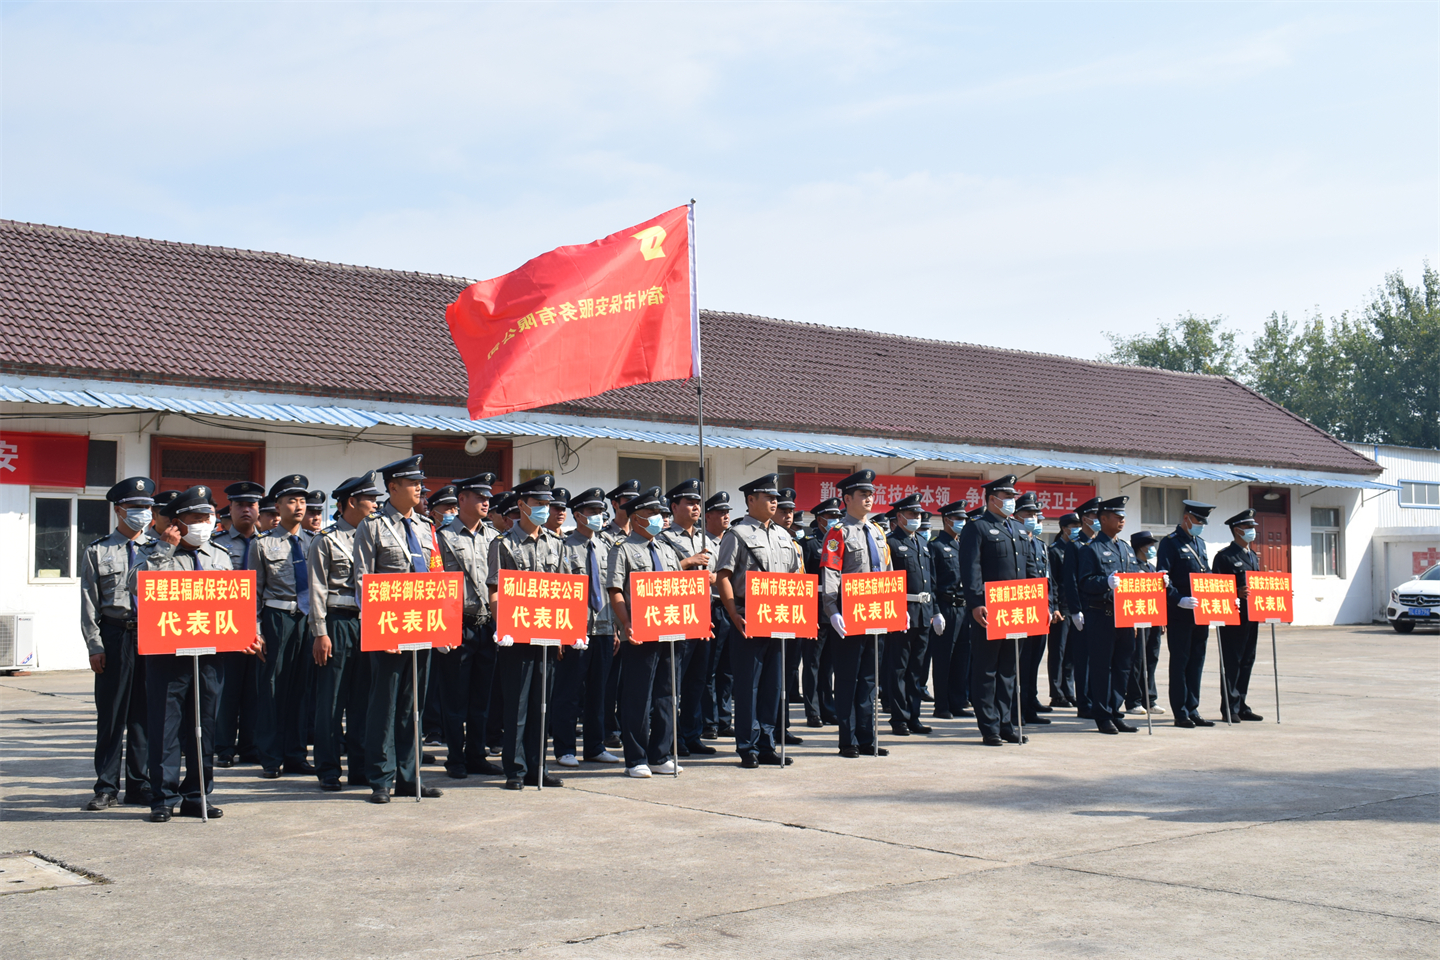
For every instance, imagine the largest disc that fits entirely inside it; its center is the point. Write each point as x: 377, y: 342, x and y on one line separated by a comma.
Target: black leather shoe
x: 709, y: 733
x: 684, y: 749
x: 899, y: 730
x: 868, y: 750
x: 1042, y: 708
x: 829, y: 719
x: 726, y: 730
x: 851, y: 752
x: 1124, y: 727
x: 102, y: 801
x: 1105, y: 726
x: 994, y: 742
x: 190, y: 808
x: 1202, y: 722
x: 926, y: 697
x: 428, y: 759
x: 1185, y: 722
x: 613, y: 743
x: 456, y: 773
x: 943, y: 715
x: 549, y: 781
x: 1013, y: 737
x: 379, y: 795
x: 357, y: 782
x: 514, y: 785
x: 1245, y: 714
x: 1084, y: 715
x: 484, y: 768
x: 921, y: 729
x: 700, y: 749
x: 969, y: 714
x: 749, y: 762
x: 791, y: 740
x: 225, y: 760
x: 160, y: 815
x: 269, y: 774
x: 1060, y: 702
x: 814, y: 722
x: 304, y: 767
x: 773, y: 760
x: 141, y: 797
x: 331, y: 786
x: 1035, y: 720
x: 408, y: 790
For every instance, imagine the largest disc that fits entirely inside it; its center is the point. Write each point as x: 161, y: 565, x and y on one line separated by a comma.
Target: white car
x: 1415, y: 601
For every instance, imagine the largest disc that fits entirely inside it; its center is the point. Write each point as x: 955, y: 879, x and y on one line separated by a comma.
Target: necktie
x: 417, y: 556
x: 130, y: 555
x: 198, y: 565
x: 302, y: 575
x: 592, y: 567
x: 874, y: 549
x: 656, y: 565
x: 245, y: 555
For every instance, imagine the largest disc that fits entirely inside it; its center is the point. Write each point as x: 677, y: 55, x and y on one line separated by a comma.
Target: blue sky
x: 1023, y: 175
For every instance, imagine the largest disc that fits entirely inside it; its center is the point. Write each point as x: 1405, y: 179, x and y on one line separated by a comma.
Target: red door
x: 1272, y: 540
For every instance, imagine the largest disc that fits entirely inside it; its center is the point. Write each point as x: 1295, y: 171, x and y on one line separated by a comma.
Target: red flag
x: 580, y: 320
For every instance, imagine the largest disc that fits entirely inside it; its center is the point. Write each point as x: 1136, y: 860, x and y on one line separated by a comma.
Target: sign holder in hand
x: 1269, y: 598
x: 782, y: 606
x: 174, y: 607
x: 1015, y: 610
x: 875, y: 603
x: 1219, y: 605
x: 670, y: 606
x: 1140, y: 605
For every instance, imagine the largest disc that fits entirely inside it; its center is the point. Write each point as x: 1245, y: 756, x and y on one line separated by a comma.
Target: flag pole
x: 695, y: 354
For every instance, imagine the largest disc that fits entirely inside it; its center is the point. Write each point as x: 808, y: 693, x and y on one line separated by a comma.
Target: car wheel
x: 1403, y: 626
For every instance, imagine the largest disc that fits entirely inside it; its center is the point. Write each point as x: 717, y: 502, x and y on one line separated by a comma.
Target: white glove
x: 505, y: 641
x: 1167, y: 578
x: 1079, y: 620
x: 937, y: 623
x: 582, y: 644
x: 838, y: 622
x: 1188, y: 603
x: 1113, y: 580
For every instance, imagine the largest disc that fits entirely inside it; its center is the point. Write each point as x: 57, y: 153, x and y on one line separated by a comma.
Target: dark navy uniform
x: 719, y: 702
x: 1032, y: 649
x: 817, y: 657
x: 1237, y: 644
x: 1076, y: 649
x: 905, y: 652
x: 1060, y: 669
x: 1110, y: 648
x: 1182, y: 553
x: 1141, y: 692
x: 950, y: 664
x: 992, y: 548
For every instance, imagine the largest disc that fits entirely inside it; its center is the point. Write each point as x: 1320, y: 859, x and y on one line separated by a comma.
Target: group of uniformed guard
x: 305, y: 681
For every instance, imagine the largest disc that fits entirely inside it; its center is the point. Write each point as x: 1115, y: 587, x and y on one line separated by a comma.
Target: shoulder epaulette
x: 99, y: 540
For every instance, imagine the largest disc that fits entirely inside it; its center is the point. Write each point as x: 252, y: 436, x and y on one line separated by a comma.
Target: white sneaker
x: 568, y: 761
x: 642, y: 772
x: 669, y: 766
x: 1157, y: 710
x: 604, y: 756
x: 1137, y: 711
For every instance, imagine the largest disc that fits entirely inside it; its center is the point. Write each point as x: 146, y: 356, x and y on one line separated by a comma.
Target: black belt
x: 477, y: 619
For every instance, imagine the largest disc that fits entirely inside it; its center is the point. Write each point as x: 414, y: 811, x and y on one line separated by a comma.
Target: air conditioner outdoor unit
x: 17, y: 641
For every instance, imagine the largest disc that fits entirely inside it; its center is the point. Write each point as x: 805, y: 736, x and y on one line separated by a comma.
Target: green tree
x: 1191, y: 345
x: 1395, y: 350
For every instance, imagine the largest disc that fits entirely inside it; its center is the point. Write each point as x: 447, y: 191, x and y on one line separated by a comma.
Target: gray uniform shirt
x: 270, y: 558
x: 103, y: 584
x: 633, y: 554
x: 160, y: 555
x: 381, y: 545
x: 239, y: 547
x: 331, y: 564
x: 854, y: 558
x: 469, y: 553
x: 749, y: 545
x: 518, y: 551
x: 575, y: 554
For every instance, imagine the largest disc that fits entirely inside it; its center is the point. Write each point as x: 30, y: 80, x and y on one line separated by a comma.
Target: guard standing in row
x: 342, y: 671
x: 235, y: 716
x: 854, y: 545
x: 314, y: 518
x: 905, y: 651
x: 1142, y: 698
x: 1110, y: 648
x: 107, y: 622
x: 1181, y: 553
x: 696, y: 549
x: 1032, y: 649
x: 719, y: 678
x: 444, y: 504
x: 1058, y: 665
x: 1237, y: 644
x: 755, y: 542
x: 1075, y: 641
x: 993, y: 548
x: 950, y: 664
x: 817, y: 666
x: 394, y: 539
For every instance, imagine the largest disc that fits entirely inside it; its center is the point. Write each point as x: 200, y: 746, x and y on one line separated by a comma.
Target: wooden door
x: 179, y: 463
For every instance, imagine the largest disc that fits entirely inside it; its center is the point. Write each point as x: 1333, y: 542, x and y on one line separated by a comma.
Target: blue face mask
x: 1032, y: 524
x: 828, y: 522
x: 1248, y: 534
x: 1074, y: 533
x: 1150, y: 553
x: 538, y: 515
x: 653, y: 525
x: 1094, y: 524
x: 912, y: 525
x: 595, y: 521
x: 1007, y: 506
x: 1198, y: 529
x: 137, y: 518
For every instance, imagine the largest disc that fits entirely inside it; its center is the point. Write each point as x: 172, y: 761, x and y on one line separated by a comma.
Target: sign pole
x: 1015, y: 700
x: 415, y: 706
x: 1275, y: 665
x: 1224, y: 684
x: 200, y: 745
x: 1144, y: 674
x: 544, y: 738
x: 784, y: 717
x: 674, y: 716
x: 875, y: 698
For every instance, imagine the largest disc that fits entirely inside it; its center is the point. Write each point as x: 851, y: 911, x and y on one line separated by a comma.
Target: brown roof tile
x: 79, y: 304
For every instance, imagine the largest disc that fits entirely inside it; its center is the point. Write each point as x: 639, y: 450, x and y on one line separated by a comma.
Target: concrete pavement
x: 1315, y: 837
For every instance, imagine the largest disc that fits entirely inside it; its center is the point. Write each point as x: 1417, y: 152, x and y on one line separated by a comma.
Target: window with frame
x: 1327, y: 542
x: 61, y: 526
x: 1418, y: 493
x: 1162, y: 506
x: 657, y: 472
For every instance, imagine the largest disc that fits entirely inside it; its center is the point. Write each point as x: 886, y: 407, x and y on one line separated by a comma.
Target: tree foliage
x: 1370, y: 378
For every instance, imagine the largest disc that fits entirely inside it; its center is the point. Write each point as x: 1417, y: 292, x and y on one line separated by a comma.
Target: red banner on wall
x: 781, y: 604
x: 669, y: 605
x: 545, y: 608
x: 874, y: 601
x: 1216, y: 599
x: 204, y: 611
x: 411, y: 611
x: 1140, y: 600
x: 1269, y: 597
x: 1017, y: 608
x: 1055, y: 499
x: 43, y: 459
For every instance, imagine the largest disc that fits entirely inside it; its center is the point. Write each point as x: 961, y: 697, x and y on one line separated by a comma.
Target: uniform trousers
x: 817, y: 675
x: 694, y: 671
x: 647, y: 730
x: 524, y: 697
x: 612, y: 696
x: 1111, y: 650
x: 1057, y: 662
x: 580, y: 680
x: 390, y: 718
x: 1032, y: 651
x: 235, y: 715
x: 1237, y: 646
x: 905, y: 673
x: 992, y: 684
x: 464, y: 676
x: 280, y: 687
x: 756, y: 663
x: 720, y: 681
x: 1142, y: 674
x: 342, y: 698
x: 951, y: 665
x: 855, y: 671
x: 1186, y: 641
x: 432, y: 714
x: 121, y: 714
x: 170, y: 696
x: 1077, y: 649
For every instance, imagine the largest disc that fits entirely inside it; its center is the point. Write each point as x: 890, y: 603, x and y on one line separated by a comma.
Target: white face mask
x: 1248, y: 534
x: 912, y: 525
x: 198, y: 533
x: 138, y: 518
x: 595, y: 521
x: 1007, y: 506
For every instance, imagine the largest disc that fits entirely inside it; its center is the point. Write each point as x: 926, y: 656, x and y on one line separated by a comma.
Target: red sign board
x: 935, y: 492
x: 411, y: 611
x: 781, y: 604
x: 546, y: 608
x: 874, y: 602
x: 1215, y: 594
x: 1140, y: 600
x: 199, y: 611
x: 1269, y: 598
x: 43, y: 459
x: 1017, y: 608
x: 669, y: 605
